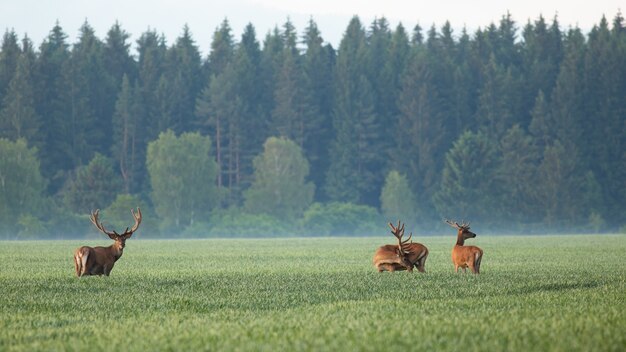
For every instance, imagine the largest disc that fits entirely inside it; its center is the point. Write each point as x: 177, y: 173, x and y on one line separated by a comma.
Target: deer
x: 401, y: 256
x: 465, y: 256
x: 100, y: 260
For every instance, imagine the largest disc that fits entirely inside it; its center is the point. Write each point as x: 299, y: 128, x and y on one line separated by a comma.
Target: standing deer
x: 465, y: 256
x: 402, y: 256
x: 100, y: 260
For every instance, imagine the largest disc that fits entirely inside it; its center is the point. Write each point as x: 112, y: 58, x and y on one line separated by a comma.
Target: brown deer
x: 465, y: 256
x: 100, y: 260
x: 403, y: 256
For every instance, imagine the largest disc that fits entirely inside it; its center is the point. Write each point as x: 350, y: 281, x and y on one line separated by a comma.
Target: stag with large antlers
x: 100, y: 260
x: 403, y: 256
x: 465, y: 256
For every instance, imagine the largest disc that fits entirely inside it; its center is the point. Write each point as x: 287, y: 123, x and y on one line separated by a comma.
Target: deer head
x: 463, y: 229
x: 120, y: 239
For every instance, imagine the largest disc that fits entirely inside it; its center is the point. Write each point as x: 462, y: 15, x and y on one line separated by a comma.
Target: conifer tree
x: 9, y: 55
x: 354, y: 174
x: 127, y: 142
x: 49, y: 86
x: 318, y: 67
x: 87, y: 125
x: 18, y: 117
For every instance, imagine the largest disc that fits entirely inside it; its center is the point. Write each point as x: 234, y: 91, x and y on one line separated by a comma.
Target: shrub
x: 341, y: 219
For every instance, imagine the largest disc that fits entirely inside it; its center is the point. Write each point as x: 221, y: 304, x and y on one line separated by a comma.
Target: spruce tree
x: 317, y: 66
x: 49, y: 86
x: 354, y: 173
x: 9, y: 55
x: 18, y: 116
x: 127, y: 142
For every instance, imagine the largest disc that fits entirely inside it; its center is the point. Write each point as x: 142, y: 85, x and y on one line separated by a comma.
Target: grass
x: 558, y: 293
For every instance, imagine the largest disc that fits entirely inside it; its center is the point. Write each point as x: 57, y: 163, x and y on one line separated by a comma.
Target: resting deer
x: 465, y: 256
x: 403, y: 256
x: 100, y: 260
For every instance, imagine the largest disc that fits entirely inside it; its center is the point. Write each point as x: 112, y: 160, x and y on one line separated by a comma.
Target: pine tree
x: 605, y: 106
x: 117, y: 62
x: 494, y: 113
x: 467, y: 187
x: 271, y: 60
x: 318, y: 67
x: 222, y: 49
x: 152, y: 51
x: 87, y: 126
x: 183, y: 83
x: 49, y: 86
x: 93, y: 186
x: 127, y: 141
x: 9, y: 55
x: 18, y: 117
x: 354, y: 174
x: 542, y: 53
x: 517, y: 173
x: 421, y: 134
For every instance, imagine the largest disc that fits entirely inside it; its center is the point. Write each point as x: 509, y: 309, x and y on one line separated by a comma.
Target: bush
x: 31, y: 228
x: 236, y: 223
x: 342, y: 219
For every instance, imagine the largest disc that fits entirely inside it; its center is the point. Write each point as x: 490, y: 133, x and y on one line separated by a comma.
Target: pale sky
x: 37, y: 17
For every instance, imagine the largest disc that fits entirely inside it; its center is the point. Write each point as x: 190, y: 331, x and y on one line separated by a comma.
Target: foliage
x: 93, y: 186
x: 316, y: 294
x: 280, y: 188
x: 30, y: 227
x: 234, y: 222
x: 398, y: 201
x: 344, y: 219
x: 385, y: 99
x: 467, y: 188
x: 21, y: 185
x: 182, y: 175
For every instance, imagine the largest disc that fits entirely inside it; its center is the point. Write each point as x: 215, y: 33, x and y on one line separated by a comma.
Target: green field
x: 534, y: 293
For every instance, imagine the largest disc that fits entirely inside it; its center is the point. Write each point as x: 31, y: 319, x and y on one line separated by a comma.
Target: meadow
x: 554, y: 293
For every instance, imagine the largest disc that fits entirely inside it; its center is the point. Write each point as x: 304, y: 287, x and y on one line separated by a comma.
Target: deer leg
x: 472, y: 266
x: 82, y: 256
x: 420, y: 266
x: 456, y: 268
x: 77, y: 265
x: 477, y: 265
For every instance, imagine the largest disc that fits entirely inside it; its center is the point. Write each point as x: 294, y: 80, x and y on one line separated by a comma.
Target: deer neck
x: 459, y: 239
x: 117, y: 250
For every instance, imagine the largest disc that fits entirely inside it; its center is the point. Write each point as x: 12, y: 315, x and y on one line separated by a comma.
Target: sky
x: 37, y: 17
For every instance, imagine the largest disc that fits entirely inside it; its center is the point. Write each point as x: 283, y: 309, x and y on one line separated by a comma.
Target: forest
x: 518, y: 128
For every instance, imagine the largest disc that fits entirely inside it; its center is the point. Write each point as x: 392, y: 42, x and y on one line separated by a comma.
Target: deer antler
x: 94, y: 220
x: 137, y: 218
x: 456, y: 225
x: 112, y: 234
x: 398, y: 231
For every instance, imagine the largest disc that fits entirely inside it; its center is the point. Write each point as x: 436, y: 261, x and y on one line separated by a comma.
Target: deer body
x: 403, y: 256
x: 100, y: 260
x: 465, y: 256
x: 96, y: 260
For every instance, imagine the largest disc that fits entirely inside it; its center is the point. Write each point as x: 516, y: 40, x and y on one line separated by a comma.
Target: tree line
x: 516, y: 127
